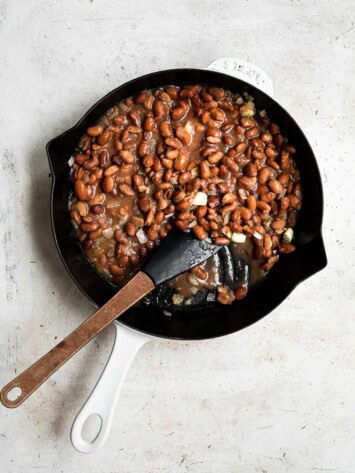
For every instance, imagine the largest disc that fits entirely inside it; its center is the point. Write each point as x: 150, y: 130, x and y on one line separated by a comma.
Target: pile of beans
x: 196, y: 158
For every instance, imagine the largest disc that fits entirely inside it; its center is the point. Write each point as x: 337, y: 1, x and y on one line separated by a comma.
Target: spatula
x: 179, y: 252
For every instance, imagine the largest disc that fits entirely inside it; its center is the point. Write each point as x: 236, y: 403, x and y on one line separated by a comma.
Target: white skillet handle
x: 245, y: 71
x: 103, y: 399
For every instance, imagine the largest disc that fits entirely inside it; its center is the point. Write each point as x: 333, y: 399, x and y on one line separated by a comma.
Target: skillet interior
x: 219, y: 320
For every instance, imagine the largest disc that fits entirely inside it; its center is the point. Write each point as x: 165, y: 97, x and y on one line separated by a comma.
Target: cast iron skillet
x: 218, y: 320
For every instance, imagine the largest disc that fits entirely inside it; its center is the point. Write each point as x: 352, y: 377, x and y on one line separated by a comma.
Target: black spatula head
x: 179, y: 252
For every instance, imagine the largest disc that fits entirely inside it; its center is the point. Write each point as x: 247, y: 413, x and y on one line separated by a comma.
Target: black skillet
x: 196, y: 322
x: 203, y: 318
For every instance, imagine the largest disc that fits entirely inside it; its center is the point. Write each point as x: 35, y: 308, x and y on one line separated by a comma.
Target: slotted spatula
x: 179, y: 252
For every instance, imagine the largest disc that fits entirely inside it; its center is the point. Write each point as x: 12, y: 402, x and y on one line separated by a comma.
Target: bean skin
x: 178, y: 113
x: 222, y: 241
x: 240, y: 293
x: 149, y: 124
x: 104, y: 138
x: 278, y: 223
x: 199, y: 232
x: 286, y: 248
x: 251, y: 203
x: 127, y: 157
x: 94, y: 130
x: 275, y: 186
x: 264, y: 175
x: 98, y: 209
x: 81, y: 190
x: 158, y: 108
x: 111, y: 170
x: 87, y: 244
x: 251, y: 170
x: 108, y: 184
x: 181, y: 161
x: 165, y: 129
x: 126, y: 189
x: 245, y: 213
x: 130, y: 229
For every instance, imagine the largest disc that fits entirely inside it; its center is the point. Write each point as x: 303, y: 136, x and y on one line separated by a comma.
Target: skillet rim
x: 317, y: 236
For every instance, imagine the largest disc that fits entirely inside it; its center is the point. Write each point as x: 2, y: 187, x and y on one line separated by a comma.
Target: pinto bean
x: 149, y: 124
x: 126, y: 189
x: 250, y: 170
x: 240, y: 293
x: 94, y: 130
x: 251, y: 203
x: 222, y: 241
x: 199, y: 232
x: 158, y: 108
x: 181, y: 161
x: 286, y: 248
x: 215, y: 157
x: 270, y: 263
x: 81, y: 190
x: 177, y: 113
x: 183, y: 135
x: 104, y: 138
x: 275, y: 186
x: 165, y: 129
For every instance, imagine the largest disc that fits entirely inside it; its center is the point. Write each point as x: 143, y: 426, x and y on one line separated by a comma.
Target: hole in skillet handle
x: 91, y: 428
x: 14, y: 393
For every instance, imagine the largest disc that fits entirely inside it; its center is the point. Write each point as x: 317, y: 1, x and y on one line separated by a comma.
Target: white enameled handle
x: 103, y: 399
x: 245, y: 71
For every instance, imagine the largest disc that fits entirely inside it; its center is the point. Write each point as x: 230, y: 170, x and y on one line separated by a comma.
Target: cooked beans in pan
x: 196, y: 158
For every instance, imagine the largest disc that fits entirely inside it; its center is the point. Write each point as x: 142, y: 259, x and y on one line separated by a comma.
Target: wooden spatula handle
x: 35, y: 375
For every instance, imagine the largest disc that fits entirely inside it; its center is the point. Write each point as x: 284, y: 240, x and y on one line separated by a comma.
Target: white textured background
x: 276, y: 397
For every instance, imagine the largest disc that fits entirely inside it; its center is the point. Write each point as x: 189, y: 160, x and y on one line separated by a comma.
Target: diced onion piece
x: 106, y: 273
x: 200, y: 199
x: 192, y: 224
x: 257, y: 235
x: 238, y: 238
x: 248, y: 109
x: 71, y: 161
x: 211, y: 297
x: 189, y: 127
x: 226, y: 219
x: 111, y: 252
x: 288, y: 235
x: 142, y: 238
x: 177, y: 299
x: 113, y: 204
x: 248, y: 97
x: 226, y: 232
x: 167, y: 313
x: 108, y: 232
x: 193, y: 280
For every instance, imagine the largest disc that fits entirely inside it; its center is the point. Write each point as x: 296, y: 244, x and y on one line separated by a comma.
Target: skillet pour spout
x: 199, y: 322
